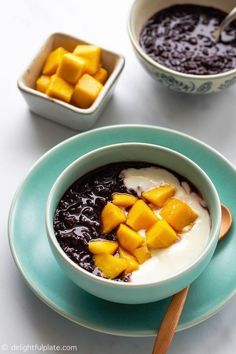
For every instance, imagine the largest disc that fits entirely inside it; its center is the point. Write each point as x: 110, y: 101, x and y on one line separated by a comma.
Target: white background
x: 24, y: 25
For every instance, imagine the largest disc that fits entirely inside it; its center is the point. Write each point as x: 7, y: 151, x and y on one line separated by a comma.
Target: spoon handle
x: 169, y: 323
x: 229, y: 18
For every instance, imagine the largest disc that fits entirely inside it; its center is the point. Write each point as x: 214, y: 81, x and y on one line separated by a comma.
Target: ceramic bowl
x: 57, y: 110
x: 140, y: 12
x: 122, y: 292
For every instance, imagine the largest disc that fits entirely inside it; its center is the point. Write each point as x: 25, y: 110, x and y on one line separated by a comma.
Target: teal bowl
x: 122, y: 292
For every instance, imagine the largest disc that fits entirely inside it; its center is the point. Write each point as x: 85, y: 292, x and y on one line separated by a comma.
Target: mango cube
x: 109, y: 265
x: 92, y: 55
x: 71, y: 68
x: 178, y: 214
x: 123, y: 200
x: 86, y: 91
x: 141, y: 216
x: 102, y: 246
x: 161, y: 235
x: 111, y: 217
x: 59, y: 88
x: 142, y: 254
x: 101, y: 75
x: 132, y: 264
x: 42, y: 83
x: 53, y: 60
x: 128, y: 238
x: 158, y: 196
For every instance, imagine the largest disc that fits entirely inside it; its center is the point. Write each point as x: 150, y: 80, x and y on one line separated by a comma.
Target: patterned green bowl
x: 140, y: 12
x: 131, y: 293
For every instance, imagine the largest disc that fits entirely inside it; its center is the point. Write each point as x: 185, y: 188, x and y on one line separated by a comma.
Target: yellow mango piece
x: 111, y: 217
x: 123, y: 200
x: 92, y: 55
x: 71, y: 68
x: 141, y: 216
x: 128, y: 238
x: 42, y: 83
x: 101, y: 75
x: 178, y: 214
x: 109, y: 265
x: 53, y: 60
x: 161, y: 235
x: 132, y: 264
x: 142, y: 254
x: 86, y: 91
x: 158, y: 196
x: 102, y: 246
x: 59, y: 88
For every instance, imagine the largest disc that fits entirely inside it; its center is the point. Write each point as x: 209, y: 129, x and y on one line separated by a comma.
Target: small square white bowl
x: 57, y: 110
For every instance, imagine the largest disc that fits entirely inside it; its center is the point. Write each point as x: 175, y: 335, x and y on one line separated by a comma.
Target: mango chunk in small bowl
x: 70, y: 81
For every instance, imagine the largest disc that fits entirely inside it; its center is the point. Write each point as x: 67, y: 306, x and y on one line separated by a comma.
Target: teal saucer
x: 33, y: 257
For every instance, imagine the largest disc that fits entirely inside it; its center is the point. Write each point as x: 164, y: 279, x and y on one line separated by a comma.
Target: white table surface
x: 24, y: 25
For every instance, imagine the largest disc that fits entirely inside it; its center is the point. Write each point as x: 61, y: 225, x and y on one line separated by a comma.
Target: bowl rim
x: 215, y: 229
x: 98, y: 101
x: 152, y: 62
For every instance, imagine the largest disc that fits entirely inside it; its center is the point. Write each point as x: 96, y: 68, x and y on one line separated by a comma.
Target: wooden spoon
x: 171, y: 318
x: 226, y: 221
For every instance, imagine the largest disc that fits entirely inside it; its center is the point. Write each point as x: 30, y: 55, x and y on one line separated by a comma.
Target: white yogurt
x: 166, y: 262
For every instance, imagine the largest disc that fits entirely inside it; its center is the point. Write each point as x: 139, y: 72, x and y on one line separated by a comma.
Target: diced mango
x: 161, y: 235
x: 132, y: 264
x: 123, y: 200
x: 128, y: 238
x: 109, y: 265
x: 59, y: 88
x: 71, y: 68
x: 158, y: 196
x: 111, y: 217
x: 178, y: 214
x: 142, y: 254
x: 42, y: 83
x: 53, y: 60
x: 86, y: 91
x: 141, y: 216
x: 102, y: 246
x: 92, y: 55
x: 101, y: 75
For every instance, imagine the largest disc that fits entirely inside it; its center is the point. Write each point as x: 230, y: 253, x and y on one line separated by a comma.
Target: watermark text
x: 44, y: 348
